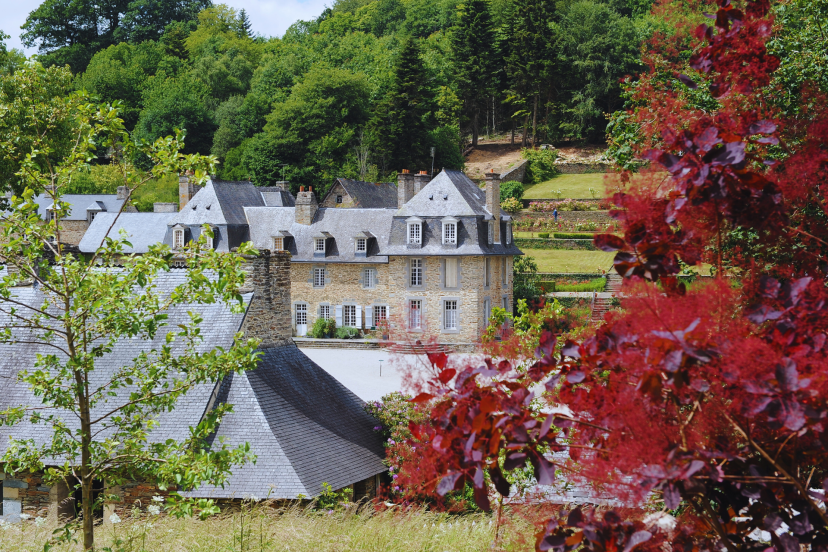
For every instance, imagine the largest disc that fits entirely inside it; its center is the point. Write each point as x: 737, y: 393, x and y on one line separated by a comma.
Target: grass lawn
x: 575, y: 186
x: 553, y: 260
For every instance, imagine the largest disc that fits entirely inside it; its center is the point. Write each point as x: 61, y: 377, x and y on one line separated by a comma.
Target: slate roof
x: 79, y: 204
x: 143, y: 230
x: 277, y: 197
x: 304, y: 426
x: 342, y: 224
x: 222, y: 203
x: 450, y: 193
x: 369, y: 195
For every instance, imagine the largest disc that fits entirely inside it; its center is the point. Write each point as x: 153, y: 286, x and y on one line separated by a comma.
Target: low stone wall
x: 582, y: 168
x: 538, y: 243
x: 586, y: 216
x: 516, y: 173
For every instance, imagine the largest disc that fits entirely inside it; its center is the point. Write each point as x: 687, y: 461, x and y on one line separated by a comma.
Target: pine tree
x: 400, y: 128
x: 245, y: 27
x: 475, y: 60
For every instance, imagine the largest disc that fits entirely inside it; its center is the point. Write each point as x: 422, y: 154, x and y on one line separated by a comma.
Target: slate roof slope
x: 79, y: 203
x: 277, y: 197
x: 305, y: 427
x: 218, y: 329
x: 450, y: 193
x: 342, y: 224
x: 143, y: 230
x: 369, y: 195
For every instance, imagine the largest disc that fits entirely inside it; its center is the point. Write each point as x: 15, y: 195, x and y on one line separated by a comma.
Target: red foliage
x: 713, y: 401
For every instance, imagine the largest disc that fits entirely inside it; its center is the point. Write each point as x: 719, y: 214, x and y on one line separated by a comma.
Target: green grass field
x: 553, y: 260
x: 575, y: 186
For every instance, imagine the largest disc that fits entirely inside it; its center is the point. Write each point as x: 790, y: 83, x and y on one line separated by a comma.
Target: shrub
x: 511, y: 189
x: 346, y: 332
x: 323, y: 328
x: 543, y: 235
x: 541, y: 166
x: 597, y: 284
x: 573, y: 236
x: 511, y: 205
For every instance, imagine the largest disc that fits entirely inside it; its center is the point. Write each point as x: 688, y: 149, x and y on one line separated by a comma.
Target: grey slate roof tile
x: 79, y: 203
x: 370, y: 195
x: 143, y: 230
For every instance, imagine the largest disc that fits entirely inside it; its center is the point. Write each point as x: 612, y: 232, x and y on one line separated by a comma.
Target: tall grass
x: 294, y: 529
x: 162, y: 190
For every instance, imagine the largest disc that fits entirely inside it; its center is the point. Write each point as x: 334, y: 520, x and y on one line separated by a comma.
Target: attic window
x: 278, y: 243
x: 209, y: 240
x: 361, y: 245
x: 339, y: 199
x: 92, y: 215
x: 415, y: 233
x: 449, y: 232
x: 509, y: 233
x: 491, y: 233
x: 319, y: 245
x: 178, y: 238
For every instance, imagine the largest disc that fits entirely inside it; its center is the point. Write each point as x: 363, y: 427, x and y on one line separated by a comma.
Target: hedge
x: 573, y: 236
x: 535, y: 243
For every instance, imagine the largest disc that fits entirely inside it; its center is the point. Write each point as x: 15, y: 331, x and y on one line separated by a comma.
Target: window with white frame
x: 415, y: 233
x: 415, y: 313
x: 450, y: 280
x: 487, y: 272
x: 92, y: 215
x: 318, y: 245
x: 380, y: 314
x: 349, y: 317
x: 208, y: 240
x: 508, y: 233
x: 491, y: 233
x: 318, y: 277
x: 450, y: 321
x: 278, y: 243
x: 301, y: 314
x: 178, y: 238
x: 449, y: 233
x: 324, y: 312
x: 52, y: 215
x: 361, y: 245
x: 369, y: 278
x: 416, y: 276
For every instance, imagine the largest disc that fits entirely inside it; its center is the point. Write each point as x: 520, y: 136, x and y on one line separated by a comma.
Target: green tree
x: 245, y: 26
x: 103, y: 428
x: 475, y: 61
x: 402, y: 121
x: 9, y: 59
x: 148, y: 19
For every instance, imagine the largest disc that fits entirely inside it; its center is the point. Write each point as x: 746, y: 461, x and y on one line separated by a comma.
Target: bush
x: 597, y: 284
x: 511, y: 188
x: 346, y: 332
x: 511, y: 205
x: 323, y: 328
x: 541, y: 166
x: 543, y: 235
x: 573, y: 236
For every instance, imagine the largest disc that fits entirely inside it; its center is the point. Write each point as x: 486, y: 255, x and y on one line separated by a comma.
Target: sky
x: 268, y: 17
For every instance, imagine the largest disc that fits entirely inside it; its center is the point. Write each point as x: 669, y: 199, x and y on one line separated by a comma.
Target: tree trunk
x: 86, y: 450
x: 535, y: 120
x: 525, y: 130
x: 475, y: 124
x: 513, y: 132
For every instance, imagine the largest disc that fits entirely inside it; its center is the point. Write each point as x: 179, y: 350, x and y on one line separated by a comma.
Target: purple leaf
x: 688, y: 82
x: 514, y: 461
x: 551, y: 541
x: 760, y: 313
x: 571, y: 349
x: 481, y: 497
x: 762, y: 127
x: 447, y: 484
x: 501, y: 483
x: 731, y: 154
x: 708, y: 138
x: 609, y: 242
x: 575, y: 518
x: 637, y: 538
x: 769, y: 287
x: 792, y: 291
x: 672, y: 497
x: 787, y: 375
x: 576, y: 376
x: 544, y: 469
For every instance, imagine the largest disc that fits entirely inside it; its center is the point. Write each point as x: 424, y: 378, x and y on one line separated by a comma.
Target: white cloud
x: 268, y: 17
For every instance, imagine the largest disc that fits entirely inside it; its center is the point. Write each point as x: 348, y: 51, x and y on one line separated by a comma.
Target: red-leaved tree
x: 710, y: 402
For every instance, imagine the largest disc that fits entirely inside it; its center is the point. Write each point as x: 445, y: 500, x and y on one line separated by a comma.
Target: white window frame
x: 278, y: 243
x: 453, y: 271
x: 415, y: 272
x: 208, y: 242
x: 349, y: 316
x: 415, y: 233
x: 178, y: 238
x: 415, y: 314
x: 318, y: 277
x: 491, y: 232
x: 301, y: 314
x: 508, y: 233
x: 361, y: 245
x: 369, y: 278
x: 380, y: 313
x: 318, y: 245
x: 325, y: 312
x: 449, y: 233
x: 92, y: 215
x: 451, y: 314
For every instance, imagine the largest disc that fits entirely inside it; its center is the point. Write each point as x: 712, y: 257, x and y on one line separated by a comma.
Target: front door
x: 301, y: 319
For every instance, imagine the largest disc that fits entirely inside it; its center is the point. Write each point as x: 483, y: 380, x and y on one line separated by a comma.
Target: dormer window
x: 278, y: 243
x: 318, y: 245
x: 178, y: 238
x: 361, y: 245
x: 449, y: 231
x: 415, y: 231
x: 491, y: 233
x: 339, y: 199
x: 208, y: 239
x: 508, y: 233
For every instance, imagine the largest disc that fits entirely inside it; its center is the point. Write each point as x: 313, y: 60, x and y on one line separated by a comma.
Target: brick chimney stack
x: 493, y: 201
x: 405, y: 187
x: 268, y: 317
x: 420, y: 181
x: 306, y: 206
x: 186, y: 190
x: 123, y: 192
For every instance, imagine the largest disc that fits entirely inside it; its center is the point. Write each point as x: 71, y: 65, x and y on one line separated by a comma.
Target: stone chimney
x: 420, y: 180
x: 268, y: 317
x: 186, y: 190
x: 306, y: 206
x: 405, y: 187
x: 493, y: 201
x: 123, y: 192
x: 165, y: 207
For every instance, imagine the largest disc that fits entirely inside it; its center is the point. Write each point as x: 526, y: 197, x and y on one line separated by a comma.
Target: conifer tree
x: 244, y: 23
x: 475, y: 59
x: 400, y: 128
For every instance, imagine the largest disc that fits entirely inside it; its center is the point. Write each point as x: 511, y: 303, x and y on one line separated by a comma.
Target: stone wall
x: 343, y: 286
x: 268, y: 316
x: 72, y: 231
x: 582, y: 168
x: 593, y: 216
x: 516, y: 173
x: 27, y: 494
x: 330, y: 199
